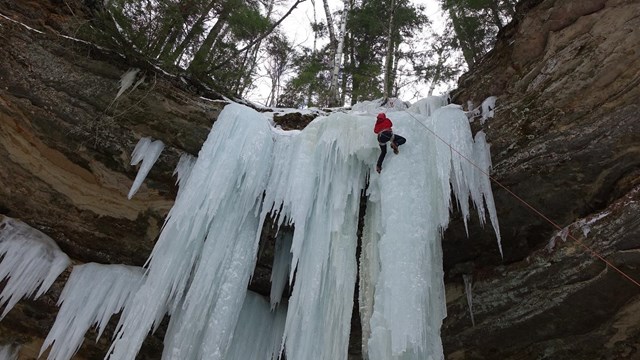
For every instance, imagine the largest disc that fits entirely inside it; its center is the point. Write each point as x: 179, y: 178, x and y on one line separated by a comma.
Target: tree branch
x: 258, y: 39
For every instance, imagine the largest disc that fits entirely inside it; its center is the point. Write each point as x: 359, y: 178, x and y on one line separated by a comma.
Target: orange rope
x: 591, y: 250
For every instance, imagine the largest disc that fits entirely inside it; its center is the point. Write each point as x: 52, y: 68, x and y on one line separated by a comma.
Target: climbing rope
x: 531, y: 207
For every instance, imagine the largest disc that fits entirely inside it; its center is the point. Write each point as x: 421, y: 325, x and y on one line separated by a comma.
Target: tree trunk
x: 394, y: 72
x: 165, y: 36
x: 388, y: 62
x: 333, y: 89
x: 203, y: 52
x: 259, y: 38
x: 439, y: 68
x: 345, y: 66
x: 252, y: 62
x: 196, y: 29
x: 332, y: 49
x: 467, y: 51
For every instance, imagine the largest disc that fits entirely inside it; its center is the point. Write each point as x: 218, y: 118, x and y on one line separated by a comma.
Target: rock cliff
x: 565, y: 138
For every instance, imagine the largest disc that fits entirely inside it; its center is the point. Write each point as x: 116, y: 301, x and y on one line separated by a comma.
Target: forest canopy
x: 367, y: 49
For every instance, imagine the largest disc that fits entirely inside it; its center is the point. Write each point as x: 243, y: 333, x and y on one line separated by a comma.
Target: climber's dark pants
x: 383, y: 139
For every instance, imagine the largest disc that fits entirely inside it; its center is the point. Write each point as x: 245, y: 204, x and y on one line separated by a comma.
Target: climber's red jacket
x: 382, y: 124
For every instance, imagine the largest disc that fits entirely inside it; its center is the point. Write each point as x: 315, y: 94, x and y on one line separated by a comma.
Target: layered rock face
x: 565, y: 138
x: 65, y: 146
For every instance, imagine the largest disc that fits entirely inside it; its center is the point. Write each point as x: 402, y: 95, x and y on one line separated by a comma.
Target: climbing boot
x: 395, y: 148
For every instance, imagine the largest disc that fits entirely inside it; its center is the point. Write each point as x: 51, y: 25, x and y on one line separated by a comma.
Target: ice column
x: 200, y: 267
x: 30, y: 260
x: 488, y: 106
x: 317, y: 178
x: 408, y: 209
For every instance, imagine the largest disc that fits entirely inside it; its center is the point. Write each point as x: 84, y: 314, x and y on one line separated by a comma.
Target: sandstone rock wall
x: 65, y: 148
x: 565, y: 139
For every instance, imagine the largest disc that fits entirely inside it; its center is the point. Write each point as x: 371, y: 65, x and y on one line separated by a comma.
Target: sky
x: 298, y: 29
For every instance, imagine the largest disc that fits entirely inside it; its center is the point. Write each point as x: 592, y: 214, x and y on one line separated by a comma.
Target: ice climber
x: 385, y: 134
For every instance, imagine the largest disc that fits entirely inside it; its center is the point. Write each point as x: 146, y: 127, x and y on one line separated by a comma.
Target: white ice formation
x: 91, y: 295
x: 148, y: 152
x: 468, y: 290
x: 258, y: 332
x: 183, y: 169
x: 126, y: 81
x: 31, y: 261
x: 428, y: 105
x: 488, y: 106
x: 379, y: 105
x: 9, y: 352
x: 281, y: 267
x: 312, y: 181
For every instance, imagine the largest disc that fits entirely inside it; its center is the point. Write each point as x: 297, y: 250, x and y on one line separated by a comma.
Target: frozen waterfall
x: 312, y: 181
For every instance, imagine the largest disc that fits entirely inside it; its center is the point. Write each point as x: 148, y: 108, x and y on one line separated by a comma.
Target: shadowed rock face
x: 565, y: 138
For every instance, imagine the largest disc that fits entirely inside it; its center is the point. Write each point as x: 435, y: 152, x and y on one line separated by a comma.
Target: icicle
x: 562, y: 235
x: 92, y: 294
x: 126, y: 80
x: 468, y: 291
x: 488, y: 105
x: 30, y: 260
x: 148, y: 152
x: 316, y: 180
x: 183, y: 169
x: 482, y: 158
x: 258, y: 332
x: 281, y: 266
x: 9, y: 352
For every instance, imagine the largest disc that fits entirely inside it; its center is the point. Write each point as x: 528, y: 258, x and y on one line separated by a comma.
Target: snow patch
x: 428, y: 105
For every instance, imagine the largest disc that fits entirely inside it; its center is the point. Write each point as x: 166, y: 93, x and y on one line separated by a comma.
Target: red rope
x: 591, y: 250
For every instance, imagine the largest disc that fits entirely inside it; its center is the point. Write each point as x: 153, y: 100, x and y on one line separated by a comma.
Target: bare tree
x: 337, y: 59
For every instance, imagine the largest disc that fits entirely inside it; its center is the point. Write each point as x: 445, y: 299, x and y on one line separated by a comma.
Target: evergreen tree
x: 378, y: 28
x: 440, y: 62
x: 308, y: 88
x: 278, y: 64
x: 476, y: 24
